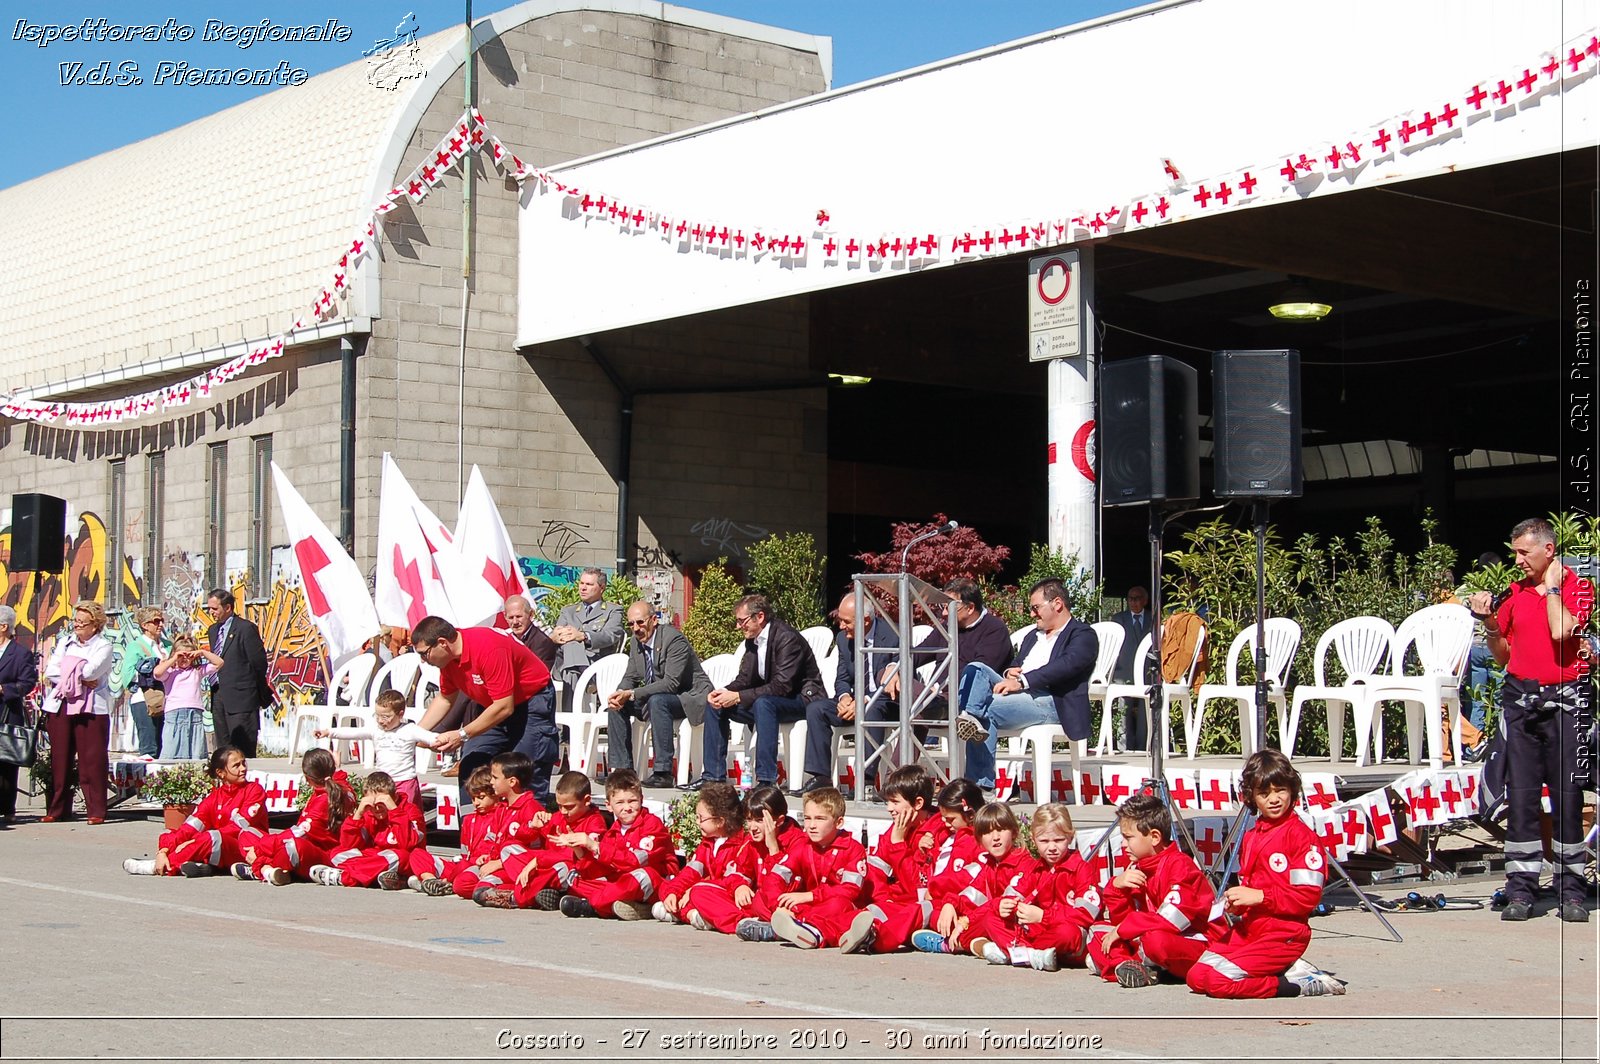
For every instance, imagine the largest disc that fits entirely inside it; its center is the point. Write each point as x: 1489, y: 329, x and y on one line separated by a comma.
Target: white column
x: 1073, y: 509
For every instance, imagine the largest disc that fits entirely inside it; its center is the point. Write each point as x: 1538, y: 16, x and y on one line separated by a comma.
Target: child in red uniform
x: 1159, y: 906
x: 278, y: 857
x: 953, y: 853
x: 1281, y: 866
x: 899, y: 867
x: 375, y: 843
x: 1042, y: 921
x: 209, y: 839
x: 997, y: 870
x: 522, y: 817
x: 726, y: 857
x: 828, y: 884
x: 625, y: 867
x: 540, y: 875
x: 747, y: 910
x: 480, y: 841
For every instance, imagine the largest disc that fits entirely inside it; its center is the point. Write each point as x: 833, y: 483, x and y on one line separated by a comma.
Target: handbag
x: 19, y: 743
x: 155, y: 700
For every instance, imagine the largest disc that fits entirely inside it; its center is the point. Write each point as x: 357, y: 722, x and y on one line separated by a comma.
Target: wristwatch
x: 463, y: 734
x: 1552, y: 591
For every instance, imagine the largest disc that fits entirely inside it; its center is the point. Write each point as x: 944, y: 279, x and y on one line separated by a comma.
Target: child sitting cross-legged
x: 375, y: 842
x: 280, y: 856
x: 899, y: 867
x: 746, y: 910
x: 964, y: 920
x: 539, y: 876
x: 480, y: 842
x: 1042, y: 919
x: 1159, y: 907
x: 1258, y: 952
x: 625, y: 866
x: 725, y: 858
x: 208, y: 840
x: 827, y: 879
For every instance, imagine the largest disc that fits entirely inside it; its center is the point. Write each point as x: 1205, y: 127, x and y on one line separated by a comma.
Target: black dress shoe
x: 1573, y: 912
x: 811, y: 783
x: 695, y: 784
x: 657, y: 780
x: 1517, y: 910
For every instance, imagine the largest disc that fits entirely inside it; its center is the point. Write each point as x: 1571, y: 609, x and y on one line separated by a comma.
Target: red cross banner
x: 1117, y: 782
x: 1089, y: 788
x: 1215, y: 789
x: 1210, y: 832
x: 332, y: 584
x: 1181, y: 785
x: 447, y: 811
x: 1319, y: 790
x: 1380, y: 817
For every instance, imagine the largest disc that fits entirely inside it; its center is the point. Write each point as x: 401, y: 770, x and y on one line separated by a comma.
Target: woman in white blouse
x: 77, y: 712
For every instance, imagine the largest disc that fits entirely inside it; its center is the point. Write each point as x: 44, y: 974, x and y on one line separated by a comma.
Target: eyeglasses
x: 1035, y: 610
x: 638, y: 624
x: 79, y: 622
x: 156, y: 620
x: 740, y: 622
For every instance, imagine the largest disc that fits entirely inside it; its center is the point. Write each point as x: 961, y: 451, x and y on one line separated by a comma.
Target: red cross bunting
x: 1428, y: 123
x: 1469, y: 787
x: 1182, y: 793
x: 739, y: 239
x: 1424, y: 803
x: 1171, y: 171
x: 441, y: 159
x: 1527, y: 81
x: 852, y: 249
x: 1449, y: 115
x: 1330, y: 835
x: 695, y: 232
x: 1381, y: 141
x: 1005, y: 238
x: 1213, y: 793
x: 1224, y: 192
x: 682, y: 227
x: 1097, y: 223
x: 616, y: 209
x: 1334, y: 157
x: 445, y: 807
x: 456, y: 144
x: 600, y: 204
x: 1406, y: 131
x: 1552, y: 66
x: 987, y: 241
x: 758, y: 241
x: 782, y: 244
x: 274, y: 792
x: 1138, y: 212
x: 1115, y: 790
x: 1202, y: 197
x: 829, y: 247
x: 930, y: 244
x: 476, y: 140
x: 1288, y: 171
x: 964, y: 242
x: 1088, y: 790
x: 1319, y: 797
x: 1248, y: 183
x: 1476, y: 97
x: 1450, y: 795
x: 822, y: 217
x: 1354, y: 827
x: 638, y: 218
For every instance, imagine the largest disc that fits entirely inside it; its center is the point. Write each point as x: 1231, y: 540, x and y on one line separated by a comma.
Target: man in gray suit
x: 663, y: 683
x: 586, y: 631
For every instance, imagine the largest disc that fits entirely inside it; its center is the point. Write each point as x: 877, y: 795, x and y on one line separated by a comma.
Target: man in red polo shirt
x: 501, y: 677
x: 1545, y: 712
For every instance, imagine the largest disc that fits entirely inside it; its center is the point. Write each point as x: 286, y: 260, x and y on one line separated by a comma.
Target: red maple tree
x: 940, y: 559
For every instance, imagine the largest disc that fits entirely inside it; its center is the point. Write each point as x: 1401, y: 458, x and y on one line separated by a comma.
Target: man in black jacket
x: 1047, y: 683
x: 662, y: 684
x: 777, y: 676
x: 240, y: 689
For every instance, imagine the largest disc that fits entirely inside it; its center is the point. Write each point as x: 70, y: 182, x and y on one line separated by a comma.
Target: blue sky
x: 54, y: 124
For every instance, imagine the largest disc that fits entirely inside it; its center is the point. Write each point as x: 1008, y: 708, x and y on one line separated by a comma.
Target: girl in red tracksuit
x: 1160, y: 905
x: 725, y: 858
x: 278, y: 857
x: 480, y: 844
x: 209, y: 839
x: 1281, y: 869
x: 628, y: 863
x: 954, y: 850
x: 375, y: 843
x: 1042, y: 921
x: 747, y: 910
x: 996, y: 872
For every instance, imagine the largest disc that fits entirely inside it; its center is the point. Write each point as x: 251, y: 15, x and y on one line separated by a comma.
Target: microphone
x: 944, y: 529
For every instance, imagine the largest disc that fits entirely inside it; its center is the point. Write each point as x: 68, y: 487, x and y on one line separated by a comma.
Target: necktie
x: 649, y: 664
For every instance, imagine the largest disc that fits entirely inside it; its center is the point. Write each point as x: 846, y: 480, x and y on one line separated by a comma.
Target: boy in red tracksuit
x: 829, y: 877
x: 626, y: 865
x: 480, y: 844
x: 1281, y: 868
x: 724, y: 860
x: 747, y: 910
x: 208, y: 840
x: 376, y: 841
x: 538, y: 876
x: 900, y: 866
x: 1045, y: 917
x: 1160, y: 906
x: 279, y: 857
x: 995, y: 874
x: 520, y: 821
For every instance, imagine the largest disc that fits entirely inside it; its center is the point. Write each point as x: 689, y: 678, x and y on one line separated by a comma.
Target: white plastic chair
x: 720, y: 670
x: 1442, y: 638
x: 1180, y: 694
x: 1283, y: 639
x: 919, y: 632
x: 1041, y: 738
x: 1022, y: 633
x: 821, y: 640
x: 353, y: 675
x: 1362, y: 646
x: 588, y: 715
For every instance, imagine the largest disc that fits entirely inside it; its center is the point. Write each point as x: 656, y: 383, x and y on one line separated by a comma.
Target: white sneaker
x: 786, y: 927
x: 860, y: 936
x: 1300, y: 969
x: 136, y: 866
x: 1043, y: 960
x: 970, y: 729
x: 1319, y: 984
x: 326, y: 875
x: 415, y: 883
x: 991, y: 952
x: 278, y: 877
x: 659, y: 911
x: 698, y: 922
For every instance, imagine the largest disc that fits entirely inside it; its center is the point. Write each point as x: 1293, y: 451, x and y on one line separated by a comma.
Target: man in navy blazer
x: 1047, y: 683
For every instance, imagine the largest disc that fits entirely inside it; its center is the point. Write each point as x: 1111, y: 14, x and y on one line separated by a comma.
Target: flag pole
x: 467, y: 174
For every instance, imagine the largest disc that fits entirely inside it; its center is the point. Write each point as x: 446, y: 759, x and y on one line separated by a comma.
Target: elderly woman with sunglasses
x: 145, y: 711
x: 77, y: 713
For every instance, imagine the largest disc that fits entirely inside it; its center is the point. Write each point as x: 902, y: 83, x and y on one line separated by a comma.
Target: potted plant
x: 178, y: 788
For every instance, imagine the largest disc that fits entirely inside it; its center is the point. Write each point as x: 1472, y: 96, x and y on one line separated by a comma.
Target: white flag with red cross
x: 1319, y: 790
x: 1089, y: 788
x: 408, y: 582
x: 1210, y: 833
x: 1424, y: 806
x: 1118, y: 782
x: 1454, y: 797
x: 1327, y: 830
x: 1216, y: 789
x: 1380, y: 817
x: 1351, y: 817
x: 482, y: 571
x: 1181, y: 785
x: 330, y: 581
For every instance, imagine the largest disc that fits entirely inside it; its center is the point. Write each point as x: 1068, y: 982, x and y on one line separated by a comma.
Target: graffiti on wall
x: 297, y: 658
x: 726, y: 536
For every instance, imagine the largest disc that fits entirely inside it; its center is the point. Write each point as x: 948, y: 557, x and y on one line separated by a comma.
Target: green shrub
x: 1010, y: 603
x: 786, y: 569
x: 709, y: 625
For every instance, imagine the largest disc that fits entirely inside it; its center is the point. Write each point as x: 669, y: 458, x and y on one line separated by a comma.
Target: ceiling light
x: 1297, y: 304
x: 849, y: 380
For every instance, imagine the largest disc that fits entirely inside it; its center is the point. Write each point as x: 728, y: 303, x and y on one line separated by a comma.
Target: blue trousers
x: 1011, y: 712
x: 764, y: 714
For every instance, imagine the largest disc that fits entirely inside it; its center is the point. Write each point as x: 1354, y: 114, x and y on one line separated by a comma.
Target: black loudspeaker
x: 1149, y: 431
x: 1256, y: 398
x: 38, y: 533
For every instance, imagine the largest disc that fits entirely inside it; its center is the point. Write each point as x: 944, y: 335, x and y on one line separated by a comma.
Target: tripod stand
x: 1226, y: 864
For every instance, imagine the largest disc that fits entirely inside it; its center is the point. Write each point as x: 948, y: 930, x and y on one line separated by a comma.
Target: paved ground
x: 103, y: 965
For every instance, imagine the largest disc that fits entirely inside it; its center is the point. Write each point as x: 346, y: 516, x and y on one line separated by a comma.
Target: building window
x: 116, y: 517
x: 261, y: 517
x: 217, y: 512
x: 155, y: 502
